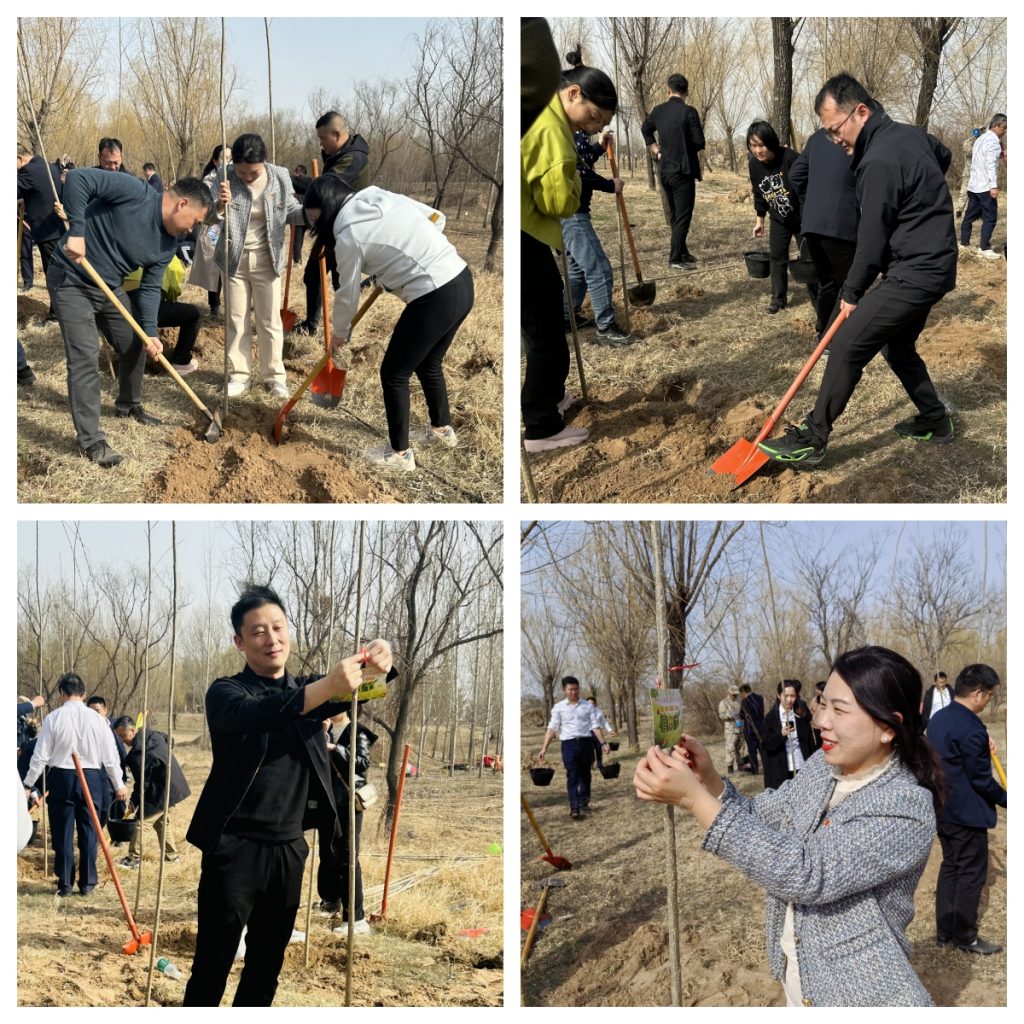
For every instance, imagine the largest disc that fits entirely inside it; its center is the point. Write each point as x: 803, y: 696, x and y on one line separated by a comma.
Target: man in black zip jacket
x: 347, y: 156
x: 680, y: 140
x: 906, y: 235
x: 34, y: 187
x: 269, y: 760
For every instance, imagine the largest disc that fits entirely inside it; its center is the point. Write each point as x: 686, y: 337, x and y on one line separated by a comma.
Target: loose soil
x: 607, y: 943
x: 711, y: 365
x: 321, y: 459
x: 69, y: 950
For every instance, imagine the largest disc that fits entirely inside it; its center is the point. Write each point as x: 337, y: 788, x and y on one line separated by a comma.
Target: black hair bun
x: 574, y: 58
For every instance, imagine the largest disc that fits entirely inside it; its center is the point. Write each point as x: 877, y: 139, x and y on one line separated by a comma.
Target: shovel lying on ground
x: 331, y: 381
x: 744, y: 458
x: 287, y: 315
x: 138, y: 938
x: 643, y: 292
x: 559, y: 863
x: 213, y: 431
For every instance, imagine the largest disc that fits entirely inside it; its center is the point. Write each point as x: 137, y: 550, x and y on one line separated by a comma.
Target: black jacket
x: 926, y: 704
x: 240, y: 711
x: 774, y: 193
x: 587, y: 153
x: 680, y: 136
x: 339, y: 758
x: 156, y: 773
x: 961, y: 740
x: 752, y: 709
x: 351, y: 163
x: 826, y: 189
x: 773, y: 749
x: 35, y: 189
x: 906, y: 213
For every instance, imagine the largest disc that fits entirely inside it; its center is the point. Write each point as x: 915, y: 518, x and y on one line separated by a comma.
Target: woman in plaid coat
x: 840, y: 848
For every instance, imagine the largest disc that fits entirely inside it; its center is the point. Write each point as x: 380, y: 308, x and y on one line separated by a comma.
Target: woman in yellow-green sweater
x: 550, y: 190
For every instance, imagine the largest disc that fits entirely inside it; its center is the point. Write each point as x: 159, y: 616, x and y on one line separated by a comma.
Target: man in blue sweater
x: 972, y: 795
x: 127, y: 225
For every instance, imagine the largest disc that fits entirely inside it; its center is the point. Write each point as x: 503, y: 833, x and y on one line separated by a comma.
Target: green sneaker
x: 797, y: 447
x: 920, y: 430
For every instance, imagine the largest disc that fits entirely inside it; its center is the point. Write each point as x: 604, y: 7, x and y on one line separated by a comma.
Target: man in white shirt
x: 602, y: 723
x: 983, y: 187
x: 936, y: 697
x: 74, y: 728
x: 572, y: 721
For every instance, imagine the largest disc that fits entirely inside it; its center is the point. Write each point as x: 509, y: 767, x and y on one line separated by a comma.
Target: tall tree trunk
x: 782, y: 88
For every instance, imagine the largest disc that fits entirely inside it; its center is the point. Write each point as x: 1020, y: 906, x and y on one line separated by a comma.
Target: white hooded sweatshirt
x: 392, y: 238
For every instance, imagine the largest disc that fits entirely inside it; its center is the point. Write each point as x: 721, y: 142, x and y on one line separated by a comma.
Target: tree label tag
x: 667, y: 716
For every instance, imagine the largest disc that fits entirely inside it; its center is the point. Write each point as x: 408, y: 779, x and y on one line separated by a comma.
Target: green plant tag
x: 667, y: 715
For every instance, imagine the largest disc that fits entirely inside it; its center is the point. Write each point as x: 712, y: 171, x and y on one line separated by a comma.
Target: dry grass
x: 322, y: 460
x: 712, y: 364
x: 607, y: 942
x: 69, y: 950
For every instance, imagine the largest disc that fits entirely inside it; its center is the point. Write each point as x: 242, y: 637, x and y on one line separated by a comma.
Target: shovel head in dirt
x: 328, y: 386
x: 643, y: 294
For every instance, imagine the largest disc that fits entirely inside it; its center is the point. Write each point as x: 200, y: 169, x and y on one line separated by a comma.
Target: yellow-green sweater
x: 551, y: 186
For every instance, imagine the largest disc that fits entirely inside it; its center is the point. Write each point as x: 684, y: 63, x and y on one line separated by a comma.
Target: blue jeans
x: 589, y: 269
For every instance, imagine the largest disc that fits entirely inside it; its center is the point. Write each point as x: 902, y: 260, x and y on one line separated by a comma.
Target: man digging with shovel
x: 906, y: 235
x: 127, y: 225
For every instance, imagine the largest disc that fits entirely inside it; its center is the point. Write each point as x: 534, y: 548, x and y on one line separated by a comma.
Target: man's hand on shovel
x: 74, y: 248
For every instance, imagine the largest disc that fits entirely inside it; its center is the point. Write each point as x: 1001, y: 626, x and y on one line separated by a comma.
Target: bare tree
x: 784, y: 35
x: 932, y: 34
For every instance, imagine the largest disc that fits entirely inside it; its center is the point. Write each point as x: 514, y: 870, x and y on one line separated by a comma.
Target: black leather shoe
x: 943, y: 940
x: 776, y: 306
x: 980, y: 946
x: 137, y: 413
x: 103, y: 455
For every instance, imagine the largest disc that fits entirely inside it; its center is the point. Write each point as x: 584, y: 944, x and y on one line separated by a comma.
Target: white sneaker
x: 566, y: 403
x: 387, y: 458
x: 278, y: 389
x: 446, y: 435
x: 990, y: 254
x: 563, y: 439
x: 360, y: 927
x: 237, y: 388
x: 184, y: 370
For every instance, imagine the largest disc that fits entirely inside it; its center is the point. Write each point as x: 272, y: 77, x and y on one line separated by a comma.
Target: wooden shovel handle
x: 536, y: 827
x: 625, y: 220
x: 534, y: 924
x: 143, y: 336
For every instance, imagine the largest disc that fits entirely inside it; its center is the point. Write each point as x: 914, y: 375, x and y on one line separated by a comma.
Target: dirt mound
x: 246, y: 465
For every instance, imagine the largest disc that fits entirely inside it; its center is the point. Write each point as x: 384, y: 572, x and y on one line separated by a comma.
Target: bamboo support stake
x: 618, y: 207
x: 170, y: 761
x: 224, y: 229
x: 270, y: 99
x: 532, y: 933
x: 141, y: 809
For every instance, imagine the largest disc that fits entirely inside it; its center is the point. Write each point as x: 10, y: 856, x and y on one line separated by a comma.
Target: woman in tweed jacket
x: 840, y: 848
x: 260, y: 202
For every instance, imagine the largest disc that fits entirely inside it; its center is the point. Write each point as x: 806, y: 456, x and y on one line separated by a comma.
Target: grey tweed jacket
x: 281, y: 208
x: 850, y: 873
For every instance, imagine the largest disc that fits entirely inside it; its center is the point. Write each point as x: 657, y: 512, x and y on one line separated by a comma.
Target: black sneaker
x: 980, y: 946
x: 797, y: 447
x: 689, y: 262
x: 103, y: 455
x: 137, y: 413
x: 305, y: 327
x: 775, y: 306
x: 575, y: 814
x: 328, y: 908
x: 613, y: 336
x: 26, y: 378
x: 917, y: 429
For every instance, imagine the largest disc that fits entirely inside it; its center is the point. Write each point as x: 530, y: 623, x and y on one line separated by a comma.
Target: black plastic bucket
x: 758, y: 263
x: 542, y: 776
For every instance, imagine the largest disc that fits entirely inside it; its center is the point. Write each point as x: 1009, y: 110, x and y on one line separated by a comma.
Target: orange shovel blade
x: 287, y: 320
x: 743, y: 460
x: 328, y: 386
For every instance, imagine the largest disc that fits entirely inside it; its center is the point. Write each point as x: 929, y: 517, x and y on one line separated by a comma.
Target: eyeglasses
x: 833, y: 133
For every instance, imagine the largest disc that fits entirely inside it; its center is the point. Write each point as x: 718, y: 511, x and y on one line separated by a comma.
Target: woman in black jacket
x: 788, y: 740
x: 769, y: 163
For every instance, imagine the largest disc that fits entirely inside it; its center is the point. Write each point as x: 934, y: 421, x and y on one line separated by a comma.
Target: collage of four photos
x: 683, y: 680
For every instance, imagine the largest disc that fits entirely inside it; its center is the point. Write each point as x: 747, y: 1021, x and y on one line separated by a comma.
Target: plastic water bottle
x: 164, y: 966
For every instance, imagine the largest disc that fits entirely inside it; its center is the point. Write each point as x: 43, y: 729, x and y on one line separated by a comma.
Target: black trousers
x: 28, y: 272
x: 832, y: 258
x: 82, y: 309
x: 681, y: 192
x: 979, y: 204
x: 311, y: 279
x: 68, y: 811
x: 888, y: 319
x: 188, y: 318
x: 547, y: 351
x: 779, y: 237
x: 578, y: 756
x: 300, y: 234
x: 418, y: 344
x: 961, y: 879
x: 332, y: 872
x: 598, y: 752
x: 245, y: 883
x: 753, y: 749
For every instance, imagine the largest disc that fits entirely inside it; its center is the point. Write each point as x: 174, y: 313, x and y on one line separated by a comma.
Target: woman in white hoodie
x: 392, y: 239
